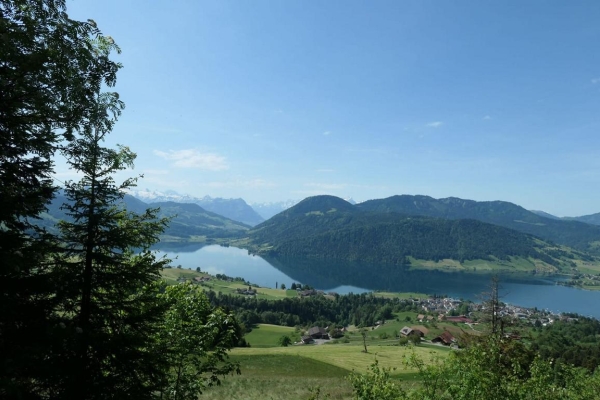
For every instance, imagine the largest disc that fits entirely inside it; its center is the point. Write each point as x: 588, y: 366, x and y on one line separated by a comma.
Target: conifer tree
x: 108, y: 270
x: 48, y: 74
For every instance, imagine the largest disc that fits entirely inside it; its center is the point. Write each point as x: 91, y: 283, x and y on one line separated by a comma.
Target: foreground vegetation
x: 84, y: 313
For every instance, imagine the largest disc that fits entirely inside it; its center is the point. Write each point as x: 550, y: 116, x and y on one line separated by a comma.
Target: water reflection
x: 345, y: 277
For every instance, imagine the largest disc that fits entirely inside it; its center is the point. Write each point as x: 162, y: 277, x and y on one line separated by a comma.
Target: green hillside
x: 576, y: 234
x: 325, y: 227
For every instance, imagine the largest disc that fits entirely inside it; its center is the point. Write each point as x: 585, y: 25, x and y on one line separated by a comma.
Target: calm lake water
x: 344, y: 277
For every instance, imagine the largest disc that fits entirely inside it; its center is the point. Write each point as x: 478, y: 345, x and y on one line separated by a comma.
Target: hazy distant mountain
x: 192, y: 220
x: 235, y: 209
x: 593, y: 219
x: 576, y: 234
x: 269, y: 209
x: 327, y: 227
x: 188, y: 219
x: 544, y: 214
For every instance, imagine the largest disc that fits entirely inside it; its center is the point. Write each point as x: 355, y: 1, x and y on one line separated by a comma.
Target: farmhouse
x: 307, y: 339
x: 406, y: 331
x: 445, y: 338
x: 318, y: 333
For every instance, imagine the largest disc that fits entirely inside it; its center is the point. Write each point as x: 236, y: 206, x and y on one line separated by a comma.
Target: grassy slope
x: 172, y: 274
x: 266, y: 335
x: 292, y: 372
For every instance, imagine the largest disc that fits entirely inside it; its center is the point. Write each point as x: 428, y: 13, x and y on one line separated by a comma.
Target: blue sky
x: 276, y: 100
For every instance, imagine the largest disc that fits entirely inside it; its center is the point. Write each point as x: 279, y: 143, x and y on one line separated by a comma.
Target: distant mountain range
x: 189, y: 221
x: 235, y: 209
x: 391, y: 230
x: 404, y: 228
x: 269, y: 209
x: 593, y: 219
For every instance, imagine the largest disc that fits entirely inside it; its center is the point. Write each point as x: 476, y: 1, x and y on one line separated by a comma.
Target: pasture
x: 296, y: 372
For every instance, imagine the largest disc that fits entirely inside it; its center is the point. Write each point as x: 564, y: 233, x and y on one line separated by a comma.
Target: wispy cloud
x: 192, y: 158
x: 435, y: 124
x: 325, y: 170
x: 596, y: 80
x: 327, y: 133
x: 487, y: 117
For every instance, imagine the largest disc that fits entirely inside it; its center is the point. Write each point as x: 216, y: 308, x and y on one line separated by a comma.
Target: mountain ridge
x: 234, y: 209
x: 326, y: 227
x: 576, y: 234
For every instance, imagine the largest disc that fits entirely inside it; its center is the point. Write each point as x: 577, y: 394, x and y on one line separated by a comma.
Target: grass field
x: 265, y: 335
x: 281, y: 376
x: 172, y: 274
x: 292, y: 372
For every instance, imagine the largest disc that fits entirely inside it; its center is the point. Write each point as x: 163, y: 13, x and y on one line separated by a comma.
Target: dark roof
x: 445, y: 337
x: 315, y: 330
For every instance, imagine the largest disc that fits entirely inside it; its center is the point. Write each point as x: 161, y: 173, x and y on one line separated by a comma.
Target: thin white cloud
x: 325, y: 170
x: 596, y: 80
x: 192, y: 158
x: 487, y: 117
x: 435, y: 124
x: 327, y: 133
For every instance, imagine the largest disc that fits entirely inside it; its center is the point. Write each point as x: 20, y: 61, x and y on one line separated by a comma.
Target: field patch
x: 265, y: 335
x: 350, y: 356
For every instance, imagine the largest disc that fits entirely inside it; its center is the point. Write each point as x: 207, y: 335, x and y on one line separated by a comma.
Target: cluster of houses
x: 250, y: 291
x: 196, y: 279
x: 317, y: 332
x: 444, y: 306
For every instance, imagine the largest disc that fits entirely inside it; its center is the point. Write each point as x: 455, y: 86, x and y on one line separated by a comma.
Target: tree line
x: 352, y: 309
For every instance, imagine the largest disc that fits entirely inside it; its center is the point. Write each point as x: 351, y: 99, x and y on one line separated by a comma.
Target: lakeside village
x: 464, y: 315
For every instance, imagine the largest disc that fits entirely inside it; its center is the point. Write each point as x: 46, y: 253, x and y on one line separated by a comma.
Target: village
x: 436, y: 314
x: 439, y: 320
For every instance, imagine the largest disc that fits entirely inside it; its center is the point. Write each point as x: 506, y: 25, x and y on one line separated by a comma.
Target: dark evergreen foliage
x: 571, y: 233
x: 358, y: 309
x: 324, y: 228
x: 49, y: 74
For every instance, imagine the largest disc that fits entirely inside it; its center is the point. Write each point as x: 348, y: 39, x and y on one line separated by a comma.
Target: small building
x: 445, y: 338
x: 420, y: 317
x: 307, y: 339
x: 318, y: 333
x: 406, y: 331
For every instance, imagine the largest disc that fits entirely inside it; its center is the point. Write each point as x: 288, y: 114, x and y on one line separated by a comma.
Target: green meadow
x: 171, y: 275
x: 296, y: 372
x: 266, y: 335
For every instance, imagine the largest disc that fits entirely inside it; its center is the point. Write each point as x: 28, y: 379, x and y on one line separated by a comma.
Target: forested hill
x: 188, y: 220
x: 326, y: 227
x: 576, y: 234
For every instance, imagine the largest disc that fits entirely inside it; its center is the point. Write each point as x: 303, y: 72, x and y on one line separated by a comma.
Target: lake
x: 346, y: 277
